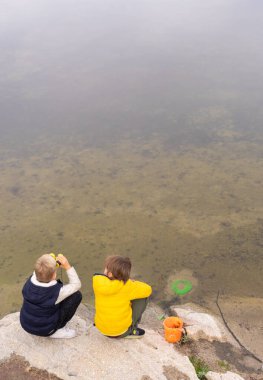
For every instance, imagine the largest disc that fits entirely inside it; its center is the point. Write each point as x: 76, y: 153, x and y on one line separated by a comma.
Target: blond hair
x: 119, y: 266
x: 45, y: 267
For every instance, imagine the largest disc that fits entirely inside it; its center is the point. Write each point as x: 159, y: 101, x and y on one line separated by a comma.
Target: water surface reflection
x: 134, y: 129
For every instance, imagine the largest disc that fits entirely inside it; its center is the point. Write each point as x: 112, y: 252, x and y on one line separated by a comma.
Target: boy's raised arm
x: 74, y: 281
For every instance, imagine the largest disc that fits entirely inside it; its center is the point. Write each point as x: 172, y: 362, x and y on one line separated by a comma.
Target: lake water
x: 136, y: 128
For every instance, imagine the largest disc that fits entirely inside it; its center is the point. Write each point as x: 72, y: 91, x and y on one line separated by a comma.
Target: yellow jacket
x: 112, y: 303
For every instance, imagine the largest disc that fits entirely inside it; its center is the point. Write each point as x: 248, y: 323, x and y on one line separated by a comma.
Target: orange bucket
x: 173, y: 328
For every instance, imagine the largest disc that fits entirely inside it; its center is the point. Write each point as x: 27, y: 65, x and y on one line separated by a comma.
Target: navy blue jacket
x: 39, y: 314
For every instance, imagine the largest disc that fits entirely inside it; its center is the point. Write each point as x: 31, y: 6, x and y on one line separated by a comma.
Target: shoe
x: 136, y: 333
x: 64, y: 333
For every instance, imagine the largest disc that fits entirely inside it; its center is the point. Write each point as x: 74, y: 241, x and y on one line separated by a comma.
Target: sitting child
x: 48, y: 304
x: 119, y: 301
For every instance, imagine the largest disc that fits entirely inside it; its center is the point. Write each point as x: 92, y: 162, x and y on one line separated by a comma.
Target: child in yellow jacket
x: 119, y: 301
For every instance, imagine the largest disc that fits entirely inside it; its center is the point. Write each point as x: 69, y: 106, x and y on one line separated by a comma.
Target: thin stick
x: 231, y: 332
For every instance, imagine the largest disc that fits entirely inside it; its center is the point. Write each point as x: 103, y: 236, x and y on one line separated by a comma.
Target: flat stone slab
x: 201, y: 325
x: 223, y: 376
x: 93, y: 356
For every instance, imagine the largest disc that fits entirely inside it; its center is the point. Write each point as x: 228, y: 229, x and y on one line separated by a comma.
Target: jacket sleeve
x: 139, y: 289
x: 73, y: 286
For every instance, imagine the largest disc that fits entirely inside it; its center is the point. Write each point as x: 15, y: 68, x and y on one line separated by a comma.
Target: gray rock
x: 202, y: 325
x: 93, y: 356
x: 223, y: 376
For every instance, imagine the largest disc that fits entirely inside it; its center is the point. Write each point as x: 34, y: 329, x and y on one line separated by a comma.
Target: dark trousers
x: 138, y: 308
x: 68, y: 308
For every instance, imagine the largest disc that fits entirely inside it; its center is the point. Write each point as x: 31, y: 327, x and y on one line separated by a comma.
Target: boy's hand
x: 63, y: 261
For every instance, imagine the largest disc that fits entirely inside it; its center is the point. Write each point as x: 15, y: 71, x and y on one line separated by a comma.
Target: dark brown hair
x: 119, y: 266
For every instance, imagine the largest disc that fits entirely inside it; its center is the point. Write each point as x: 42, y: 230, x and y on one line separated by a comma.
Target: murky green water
x: 133, y: 128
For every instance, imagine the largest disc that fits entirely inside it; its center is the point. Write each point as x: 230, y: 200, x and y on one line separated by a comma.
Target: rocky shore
x: 93, y: 356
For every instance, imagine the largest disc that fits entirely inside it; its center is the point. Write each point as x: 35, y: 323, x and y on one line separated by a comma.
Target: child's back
x: 115, y: 294
x: 48, y: 304
x: 39, y: 312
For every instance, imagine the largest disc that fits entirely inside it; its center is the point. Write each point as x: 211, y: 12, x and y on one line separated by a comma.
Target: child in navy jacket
x: 48, y: 304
